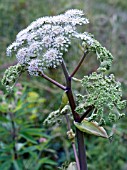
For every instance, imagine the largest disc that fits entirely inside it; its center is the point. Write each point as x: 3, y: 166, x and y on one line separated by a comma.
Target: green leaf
x: 3, y: 107
x: 32, y: 131
x: 21, y: 107
x: 47, y: 160
x: 28, y: 149
x: 91, y: 128
x: 6, y: 165
x: 3, y: 158
x: 17, y: 165
x: 3, y: 119
x: 28, y: 137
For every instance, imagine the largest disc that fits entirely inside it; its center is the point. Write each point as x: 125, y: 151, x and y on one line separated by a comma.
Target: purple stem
x: 86, y: 113
x: 79, y: 134
x: 52, y: 81
x: 79, y: 64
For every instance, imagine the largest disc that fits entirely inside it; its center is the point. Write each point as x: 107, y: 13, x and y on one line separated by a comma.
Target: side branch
x: 86, y: 113
x: 53, y: 81
x: 79, y: 64
x: 66, y: 74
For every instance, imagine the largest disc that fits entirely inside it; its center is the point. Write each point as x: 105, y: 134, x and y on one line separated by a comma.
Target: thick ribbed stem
x: 81, y: 150
x: 79, y: 134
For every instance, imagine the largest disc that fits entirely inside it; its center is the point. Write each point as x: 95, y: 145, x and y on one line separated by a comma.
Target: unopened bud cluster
x: 103, y: 55
x: 71, y: 135
x: 53, y: 118
x: 11, y: 75
x: 56, y: 117
x: 102, y: 92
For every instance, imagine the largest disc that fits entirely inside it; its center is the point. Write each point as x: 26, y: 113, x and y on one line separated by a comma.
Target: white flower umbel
x: 86, y: 37
x: 69, y: 29
x: 13, y: 47
x: 46, y: 39
x: 52, y: 58
x: 57, y: 30
x: 35, y: 66
x: 74, y: 12
x: 61, y: 42
x: 35, y: 49
x: 22, y: 55
x: 22, y: 34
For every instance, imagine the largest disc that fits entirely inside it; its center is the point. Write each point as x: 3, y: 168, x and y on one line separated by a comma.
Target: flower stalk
x: 52, y: 81
x: 80, y: 62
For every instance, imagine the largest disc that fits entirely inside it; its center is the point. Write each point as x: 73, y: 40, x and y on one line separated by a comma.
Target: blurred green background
x: 108, y: 22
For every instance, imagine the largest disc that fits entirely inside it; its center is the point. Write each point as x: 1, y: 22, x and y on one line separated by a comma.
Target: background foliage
x: 108, y: 22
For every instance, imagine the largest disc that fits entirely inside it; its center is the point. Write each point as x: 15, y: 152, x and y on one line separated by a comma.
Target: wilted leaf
x: 91, y: 128
x: 72, y: 166
x: 19, y: 146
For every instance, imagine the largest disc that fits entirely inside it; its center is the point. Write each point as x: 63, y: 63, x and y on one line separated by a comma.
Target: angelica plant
x: 42, y: 46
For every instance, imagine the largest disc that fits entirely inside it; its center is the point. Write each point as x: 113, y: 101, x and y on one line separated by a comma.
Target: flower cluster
x: 42, y: 44
x: 103, y: 55
x: 102, y: 92
x: 57, y: 116
x: 11, y: 75
x: 53, y: 118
